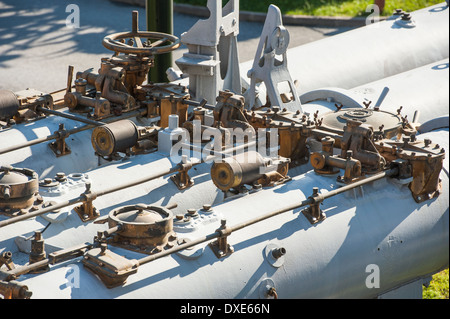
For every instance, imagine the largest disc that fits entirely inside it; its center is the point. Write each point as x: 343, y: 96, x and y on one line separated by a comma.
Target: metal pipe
x: 160, y: 19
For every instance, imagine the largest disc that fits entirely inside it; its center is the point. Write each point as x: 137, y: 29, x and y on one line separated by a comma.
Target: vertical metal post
x: 160, y: 19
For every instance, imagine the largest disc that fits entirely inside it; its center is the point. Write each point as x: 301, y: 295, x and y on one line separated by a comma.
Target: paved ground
x: 36, y: 46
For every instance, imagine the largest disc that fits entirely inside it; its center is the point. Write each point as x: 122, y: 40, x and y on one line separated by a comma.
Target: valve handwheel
x: 113, y: 43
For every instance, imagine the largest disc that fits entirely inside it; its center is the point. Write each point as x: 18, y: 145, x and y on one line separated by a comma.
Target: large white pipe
x: 369, y: 53
x: 374, y: 240
x: 411, y: 90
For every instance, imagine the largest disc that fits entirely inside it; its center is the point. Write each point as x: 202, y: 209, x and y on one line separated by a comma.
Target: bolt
x: 406, y: 16
x: 141, y: 208
x: 278, y: 252
x: 192, y: 211
x: 103, y: 247
x: 315, y: 191
x: 60, y: 177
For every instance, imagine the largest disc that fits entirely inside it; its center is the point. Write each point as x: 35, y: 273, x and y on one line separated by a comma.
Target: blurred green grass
x: 438, y: 288
x: 352, y: 8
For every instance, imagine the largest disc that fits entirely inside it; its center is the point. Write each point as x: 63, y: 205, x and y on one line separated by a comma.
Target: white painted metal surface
x: 378, y: 225
x: 369, y: 53
x: 423, y: 89
x: 405, y: 240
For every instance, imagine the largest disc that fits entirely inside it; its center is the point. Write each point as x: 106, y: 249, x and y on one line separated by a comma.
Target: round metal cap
x: 140, y: 216
x: 226, y: 174
x: 336, y: 121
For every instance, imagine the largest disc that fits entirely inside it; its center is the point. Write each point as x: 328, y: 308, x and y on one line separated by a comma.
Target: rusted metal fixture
x: 249, y: 168
x: 182, y: 179
x: 59, y: 146
x: 313, y: 213
x: 326, y: 164
x: 221, y: 247
x: 87, y: 211
x: 37, y: 253
x: 163, y: 100
x: 6, y: 259
x: 142, y: 228
x: 122, y: 136
x: 110, y: 267
x: 18, y: 191
x: 293, y: 129
x: 23, y: 106
x: 120, y: 77
x: 336, y: 121
x: 424, y: 162
x: 229, y: 111
x: 358, y: 138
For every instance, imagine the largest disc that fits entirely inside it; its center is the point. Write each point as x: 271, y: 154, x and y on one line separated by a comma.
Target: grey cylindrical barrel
x: 114, y: 137
x: 9, y: 104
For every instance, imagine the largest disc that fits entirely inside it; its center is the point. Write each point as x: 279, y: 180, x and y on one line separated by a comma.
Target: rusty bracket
x: 37, y: 253
x: 182, y: 179
x: 221, y: 247
x: 70, y: 253
x: 313, y: 213
x: 5, y: 259
x: 86, y: 211
x: 59, y: 146
x: 112, y: 269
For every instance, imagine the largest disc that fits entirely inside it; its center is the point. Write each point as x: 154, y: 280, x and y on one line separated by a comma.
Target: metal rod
x: 184, y: 246
x: 70, y: 132
x: 203, y: 104
x: 69, y: 79
x: 70, y: 116
x: 114, y: 189
x: 41, y: 211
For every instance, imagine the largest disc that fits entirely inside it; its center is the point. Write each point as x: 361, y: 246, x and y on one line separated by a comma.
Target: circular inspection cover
x: 142, y: 216
x: 336, y: 121
x: 17, y: 182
